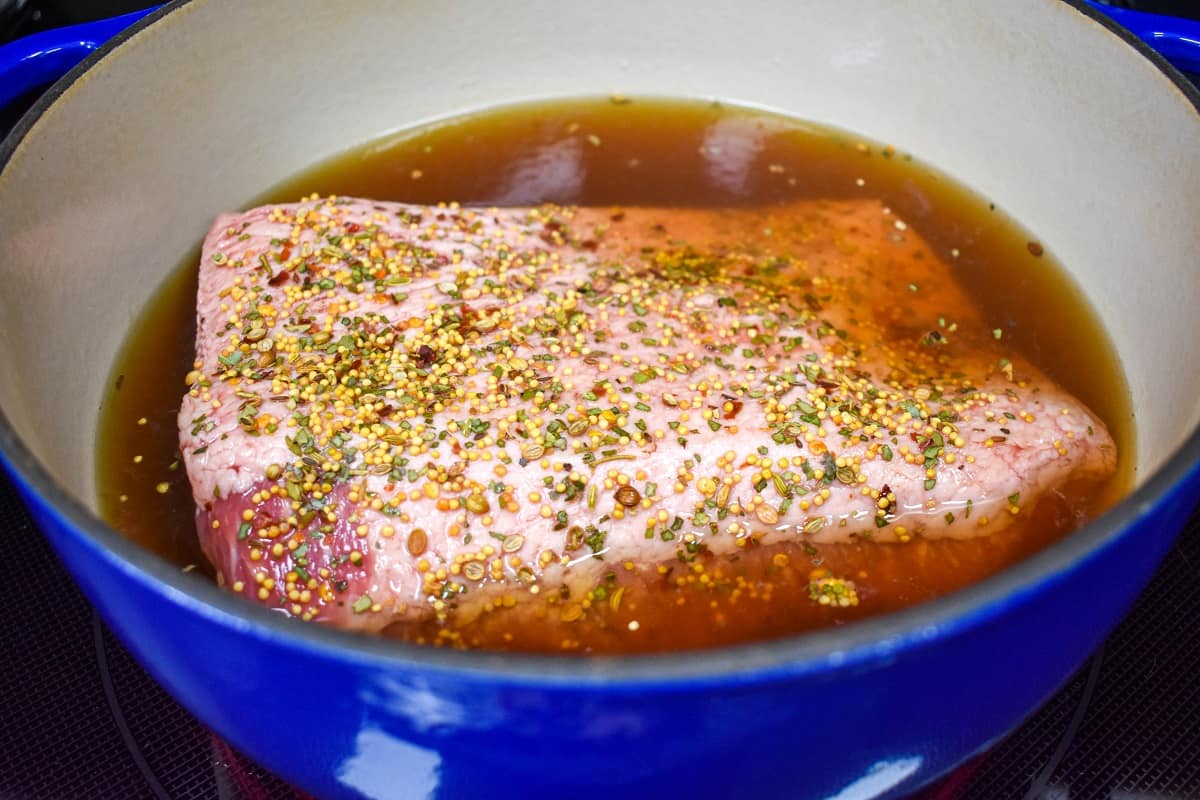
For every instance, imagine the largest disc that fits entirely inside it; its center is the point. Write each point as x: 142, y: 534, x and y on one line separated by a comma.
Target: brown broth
x: 667, y: 153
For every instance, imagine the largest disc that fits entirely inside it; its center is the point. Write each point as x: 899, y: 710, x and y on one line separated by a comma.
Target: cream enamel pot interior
x: 1037, y: 104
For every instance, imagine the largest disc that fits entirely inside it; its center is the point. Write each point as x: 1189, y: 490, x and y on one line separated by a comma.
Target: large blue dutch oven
x: 1063, y: 118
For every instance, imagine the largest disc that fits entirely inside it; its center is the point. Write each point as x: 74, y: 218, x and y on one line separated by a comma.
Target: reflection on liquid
x: 551, y: 172
x: 731, y: 146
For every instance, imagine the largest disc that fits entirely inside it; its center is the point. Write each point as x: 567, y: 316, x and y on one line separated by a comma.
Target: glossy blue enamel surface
x: 888, y: 706
x: 41, y: 59
x: 1177, y: 40
x: 353, y: 724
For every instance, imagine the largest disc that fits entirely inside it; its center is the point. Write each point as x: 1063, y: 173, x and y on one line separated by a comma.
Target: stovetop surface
x: 80, y: 719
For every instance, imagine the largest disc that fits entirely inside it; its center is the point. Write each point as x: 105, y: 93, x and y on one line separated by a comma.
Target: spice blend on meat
x: 450, y: 416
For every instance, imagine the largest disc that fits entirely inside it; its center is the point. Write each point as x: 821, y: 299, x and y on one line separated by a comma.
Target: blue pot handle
x: 43, y: 58
x: 1175, y: 39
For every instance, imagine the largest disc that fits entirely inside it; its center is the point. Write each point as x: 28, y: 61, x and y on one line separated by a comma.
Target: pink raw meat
x: 399, y: 411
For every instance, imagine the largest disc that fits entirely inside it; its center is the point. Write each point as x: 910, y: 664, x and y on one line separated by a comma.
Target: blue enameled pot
x: 1063, y: 118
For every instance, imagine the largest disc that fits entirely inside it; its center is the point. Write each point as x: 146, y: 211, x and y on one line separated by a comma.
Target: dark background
x: 1180, y: 8
x: 80, y: 719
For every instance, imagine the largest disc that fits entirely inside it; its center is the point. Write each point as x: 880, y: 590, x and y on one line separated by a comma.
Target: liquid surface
x: 601, y: 152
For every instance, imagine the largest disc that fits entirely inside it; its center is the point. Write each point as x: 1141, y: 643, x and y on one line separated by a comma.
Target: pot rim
x: 857, y: 643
